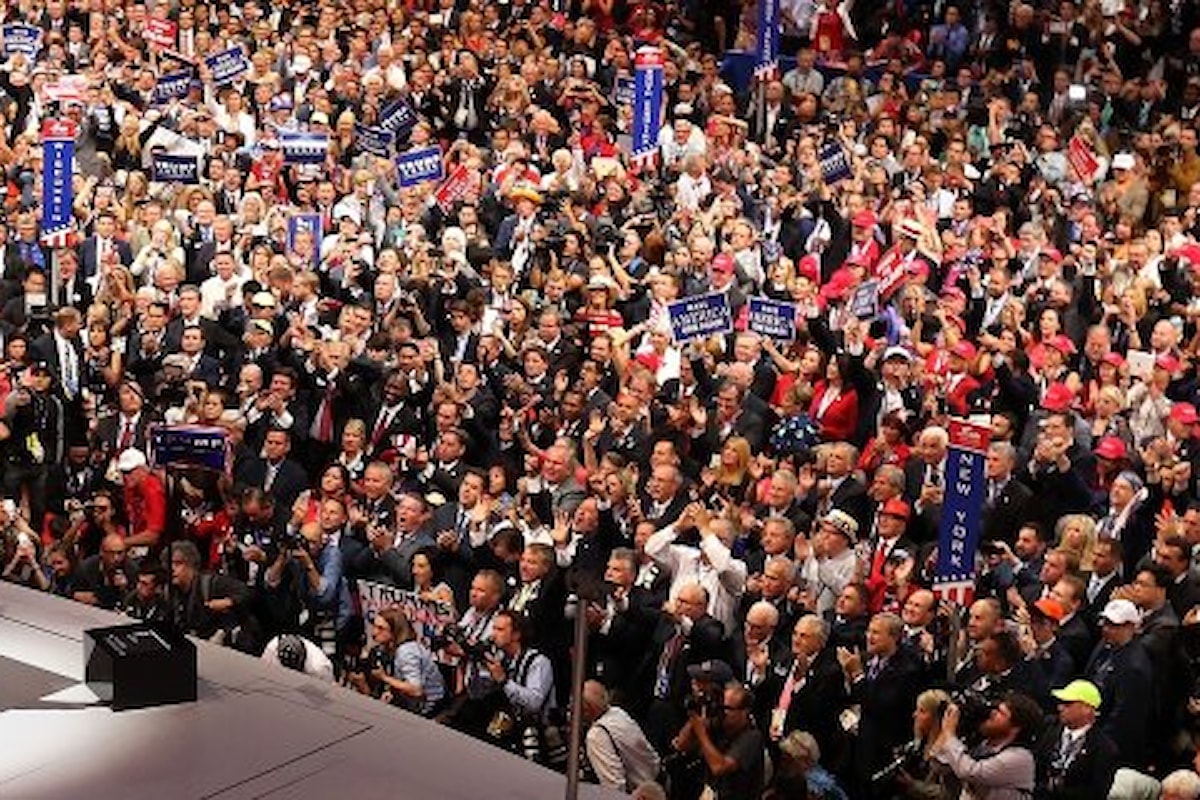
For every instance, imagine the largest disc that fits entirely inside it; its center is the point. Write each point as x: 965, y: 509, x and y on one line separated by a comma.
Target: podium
x: 139, y: 665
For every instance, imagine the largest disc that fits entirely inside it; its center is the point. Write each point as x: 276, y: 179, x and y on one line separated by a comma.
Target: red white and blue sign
x: 962, y: 511
x: 647, y: 101
x: 772, y: 318
x: 228, y: 65
x: 766, y: 60
x: 417, y: 166
x: 58, y: 161
x: 700, y: 317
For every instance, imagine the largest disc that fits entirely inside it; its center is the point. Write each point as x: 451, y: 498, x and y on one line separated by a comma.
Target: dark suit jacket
x: 1077, y: 639
x: 613, y: 653
x: 1090, y: 773
x: 851, y: 497
x: 1003, y: 518
x: 45, y: 349
x: 887, y: 703
x: 289, y: 481
x: 107, y: 434
x: 1127, y: 689
x: 817, y: 702
x: 89, y: 255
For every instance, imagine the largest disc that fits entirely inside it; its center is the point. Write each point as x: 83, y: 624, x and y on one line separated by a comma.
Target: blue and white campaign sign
x: 962, y: 511
x: 171, y: 87
x: 175, y: 169
x: 304, y: 147
x: 58, y: 163
x: 772, y: 319
x: 399, y: 118
x: 22, y: 38
x: 766, y: 57
x: 864, y: 303
x: 835, y: 163
x: 647, y: 101
x: 418, y: 166
x: 376, y: 141
x: 622, y: 91
x: 228, y: 65
x: 189, y: 446
x: 700, y: 317
x: 304, y: 233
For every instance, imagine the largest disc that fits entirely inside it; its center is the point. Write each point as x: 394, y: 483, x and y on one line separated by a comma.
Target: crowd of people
x: 469, y: 389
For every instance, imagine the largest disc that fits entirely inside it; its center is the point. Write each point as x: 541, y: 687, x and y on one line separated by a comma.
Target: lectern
x: 139, y: 665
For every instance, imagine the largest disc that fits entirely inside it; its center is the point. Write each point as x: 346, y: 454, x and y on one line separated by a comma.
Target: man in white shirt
x: 712, y: 565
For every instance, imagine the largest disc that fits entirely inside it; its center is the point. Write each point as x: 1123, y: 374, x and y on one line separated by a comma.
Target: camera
x: 974, y: 707
x: 478, y: 652
x: 902, y: 756
x: 709, y: 704
x: 289, y: 540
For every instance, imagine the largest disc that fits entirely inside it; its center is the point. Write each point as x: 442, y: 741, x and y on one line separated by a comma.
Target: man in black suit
x: 732, y: 418
x: 1175, y: 556
x: 392, y: 416
x: 459, y: 342
x: 127, y: 427
x: 62, y: 350
x: 1107, y: 557
x: 73, y: 290
x: 1078, y: 760
x: 925, y: 481
x: 1122, y: 672
x: 840, y: 489
x: 197, y: 365
x: 218, y: 342
x: 664, y: 500
x: 808, y: 691
x: 103, y: 247
x: 1005, y: 499
x: 274, y: 472
x: 884, y: 683
x: 1074, y: 631
x: 561, y: 353
x: 621, y: 626
x: 676, y: 646
x: 772, y: 124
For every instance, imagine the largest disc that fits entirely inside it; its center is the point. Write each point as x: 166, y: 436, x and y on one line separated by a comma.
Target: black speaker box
x: 139, y: 665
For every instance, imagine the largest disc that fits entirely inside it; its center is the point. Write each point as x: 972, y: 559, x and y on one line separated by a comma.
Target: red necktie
x: 325, y: 424
x: 126, y: 435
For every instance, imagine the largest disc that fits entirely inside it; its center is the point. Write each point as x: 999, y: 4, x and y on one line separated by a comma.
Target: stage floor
x: 257, y: 731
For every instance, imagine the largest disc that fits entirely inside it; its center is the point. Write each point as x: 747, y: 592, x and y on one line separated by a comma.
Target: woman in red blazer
x: 835, y: 403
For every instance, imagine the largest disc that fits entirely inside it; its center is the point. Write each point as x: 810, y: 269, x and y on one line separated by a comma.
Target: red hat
x: 954, y: 291
x: 1053, y: 254
x: 1051, y: 608
x: 1058, y: 397
x: 839, y: 284
x: 722, y: 262
x: 895, y: 508
x: 1114, y: 358
x: 1168, y: 362
x: 964, y: 350
x: 1184, y: 413
x: 1111, y: 448
x: 1062, y: 344
x: 809, y: 267
x: 650, y: 360
x: 919, y: 270
x: 864, y: 219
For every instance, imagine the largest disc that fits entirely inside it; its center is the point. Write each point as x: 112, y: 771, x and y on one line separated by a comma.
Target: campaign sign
x: 298, y: 226
x: 171, y: 87
x: 176, y: 169
x: 864, y: 303
x: 766, y: 56
x: 456, y: 186
x: 22, y: 38
x: 376, y: 141
x: 699, y: 317
x: 189, y: 446
x: 228, y: 65
x: 962, y: 510
x: 58, y: 163
x: 418, y: 166
x: 772, y: 319
x: 161, y: 33
x: 428, y: 618
x: 835, y: 164
x: 399, y: 118
x: 304, y: 147
x: 647, y: 101
x: 623, y: 92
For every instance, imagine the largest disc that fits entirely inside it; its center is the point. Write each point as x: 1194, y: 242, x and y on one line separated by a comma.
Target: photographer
x: 1001, y: 766
x: 728, y: 742
x: 303, y: 587
x: 400, y: 670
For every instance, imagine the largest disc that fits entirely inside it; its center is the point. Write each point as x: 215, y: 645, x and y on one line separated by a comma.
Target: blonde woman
x: 1076, y: 534
x: 729, y: 474
x: 921, y: 776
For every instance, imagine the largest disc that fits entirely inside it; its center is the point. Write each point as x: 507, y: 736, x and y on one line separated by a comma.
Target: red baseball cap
x: 1053, y: 254
x: 1114, y: 358
x: 1058, y: 398
x: 1112, y: 448
x: 1051, y: 608
x: 964, y: 349
x: 722, y: 262
x: 895, y: 508
x: 1062, y: 344
x: 839, y: 284
x: 864, y: 219
x: 1185, y: 413
x: 809, y: 268
x: 1168, y: 362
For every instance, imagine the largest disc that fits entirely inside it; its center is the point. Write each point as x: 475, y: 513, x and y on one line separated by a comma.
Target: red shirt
x: 146, y: 506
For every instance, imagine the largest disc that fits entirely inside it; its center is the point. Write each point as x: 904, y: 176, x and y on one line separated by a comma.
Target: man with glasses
x: 728, y: 742
x: 106, y: 577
